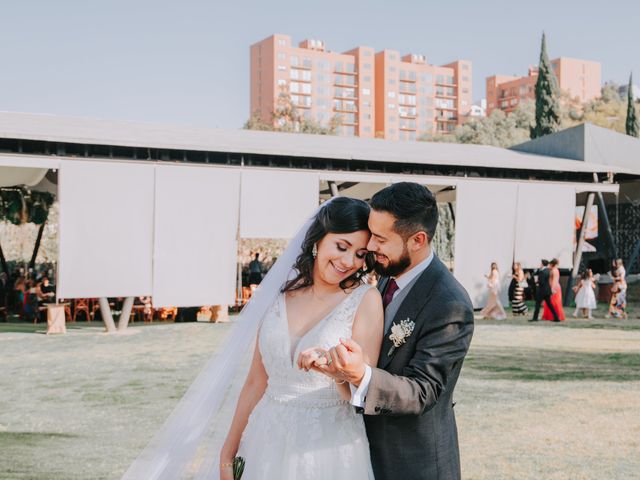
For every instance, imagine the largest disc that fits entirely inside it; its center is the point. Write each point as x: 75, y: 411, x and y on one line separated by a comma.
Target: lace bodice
x: 288, y: 384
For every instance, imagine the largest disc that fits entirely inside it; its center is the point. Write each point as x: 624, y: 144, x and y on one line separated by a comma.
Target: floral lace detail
x: 302, y: 428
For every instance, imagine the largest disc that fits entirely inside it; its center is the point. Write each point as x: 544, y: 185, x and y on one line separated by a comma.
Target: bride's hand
x: 310, y: 357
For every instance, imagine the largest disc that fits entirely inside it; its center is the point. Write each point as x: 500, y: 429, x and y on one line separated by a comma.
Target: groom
x: 407, y: 397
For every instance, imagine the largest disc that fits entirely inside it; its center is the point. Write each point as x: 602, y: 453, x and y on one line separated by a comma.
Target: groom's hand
x: 348, y: 360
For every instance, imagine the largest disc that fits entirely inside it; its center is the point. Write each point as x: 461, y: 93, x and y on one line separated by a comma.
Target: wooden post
x: 577, y: 257
x: 333, y: 186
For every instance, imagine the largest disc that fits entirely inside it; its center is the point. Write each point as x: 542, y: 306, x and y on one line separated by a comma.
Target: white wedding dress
x: 302, y: 428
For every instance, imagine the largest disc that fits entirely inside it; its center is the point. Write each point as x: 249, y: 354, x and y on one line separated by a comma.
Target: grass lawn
x: 535, y: 400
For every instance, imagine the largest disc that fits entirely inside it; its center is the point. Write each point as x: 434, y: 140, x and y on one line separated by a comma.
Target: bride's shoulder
x: 370, y: 296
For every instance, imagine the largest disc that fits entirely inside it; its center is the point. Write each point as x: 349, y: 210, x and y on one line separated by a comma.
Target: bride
x: 295, y: 423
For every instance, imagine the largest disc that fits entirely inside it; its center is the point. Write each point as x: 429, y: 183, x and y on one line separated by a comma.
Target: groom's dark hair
x: 413, y: 206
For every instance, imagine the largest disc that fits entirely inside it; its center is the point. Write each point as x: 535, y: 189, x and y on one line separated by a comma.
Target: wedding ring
x: 329, y: 360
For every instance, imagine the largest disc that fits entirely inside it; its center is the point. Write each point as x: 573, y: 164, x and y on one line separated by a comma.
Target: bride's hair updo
x: 340, y: 215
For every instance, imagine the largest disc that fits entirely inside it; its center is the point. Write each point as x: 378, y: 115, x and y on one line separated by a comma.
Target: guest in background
x: 255, y: 271
x: 618, y: 303
x: 518, y: 307
x: 46, y: 292
x: 618, y: 272
x: 543, y: 291
x: 493, y: 310
x: 31, y: 303
x: 512, y: 284
x: 585, y: 295
x: 556, y: 294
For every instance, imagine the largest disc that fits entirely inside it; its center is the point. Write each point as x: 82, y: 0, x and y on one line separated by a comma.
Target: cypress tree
x: 631, y: 125
x: 547, y: 97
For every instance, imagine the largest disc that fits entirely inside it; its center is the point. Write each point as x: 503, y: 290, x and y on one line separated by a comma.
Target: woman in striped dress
x: 518, y: 307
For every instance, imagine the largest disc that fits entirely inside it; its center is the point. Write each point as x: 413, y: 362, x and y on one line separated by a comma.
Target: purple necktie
x: 392, y: 287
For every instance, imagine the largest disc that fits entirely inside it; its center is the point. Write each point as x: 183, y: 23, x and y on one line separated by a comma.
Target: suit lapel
x: 411, y: 306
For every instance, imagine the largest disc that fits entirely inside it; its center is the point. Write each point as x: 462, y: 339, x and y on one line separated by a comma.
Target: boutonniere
x: 399, y: 334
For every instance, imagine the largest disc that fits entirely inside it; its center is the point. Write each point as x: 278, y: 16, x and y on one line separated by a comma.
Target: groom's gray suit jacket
x: 409, y: 409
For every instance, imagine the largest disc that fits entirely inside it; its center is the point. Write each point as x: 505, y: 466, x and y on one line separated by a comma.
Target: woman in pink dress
x: 493, y: 310
x: 556, y: 297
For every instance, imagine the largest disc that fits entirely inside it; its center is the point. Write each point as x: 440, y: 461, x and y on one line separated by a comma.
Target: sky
x: 186, y: 62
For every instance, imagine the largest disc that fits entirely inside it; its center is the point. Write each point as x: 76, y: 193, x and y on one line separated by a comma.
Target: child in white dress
x: 585, y: 295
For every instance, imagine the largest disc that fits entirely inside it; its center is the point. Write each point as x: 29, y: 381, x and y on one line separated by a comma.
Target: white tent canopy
x: 130, y: 227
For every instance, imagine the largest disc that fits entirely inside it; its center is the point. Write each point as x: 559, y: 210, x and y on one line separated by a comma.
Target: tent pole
x: 105, y: 312
x: 577, y: 258
x: 3, y: 261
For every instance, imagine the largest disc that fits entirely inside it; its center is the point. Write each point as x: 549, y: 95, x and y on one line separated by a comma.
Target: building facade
x: 369, y: 94
x: 581, y: 79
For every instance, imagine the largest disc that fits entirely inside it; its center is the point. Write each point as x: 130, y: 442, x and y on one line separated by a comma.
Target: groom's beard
x: 394, y: 268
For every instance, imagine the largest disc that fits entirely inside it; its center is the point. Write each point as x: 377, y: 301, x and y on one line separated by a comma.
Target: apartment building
x: 581, y: 79
x: 372, y: 94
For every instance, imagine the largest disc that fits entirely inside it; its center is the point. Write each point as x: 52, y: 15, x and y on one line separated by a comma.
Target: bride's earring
x: 314, y: 250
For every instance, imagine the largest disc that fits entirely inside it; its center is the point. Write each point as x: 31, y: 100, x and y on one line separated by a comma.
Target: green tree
x: 286, y: 117
x: 547, y: 97
x: 631, y: 125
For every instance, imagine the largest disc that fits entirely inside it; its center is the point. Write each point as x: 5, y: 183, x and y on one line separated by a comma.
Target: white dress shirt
x: 359, y: 394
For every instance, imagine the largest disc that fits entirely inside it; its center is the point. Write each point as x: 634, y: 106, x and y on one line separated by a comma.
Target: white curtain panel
x: 196, y: 224
x: 545, y: 227
x: 106, y: 229
x: 275, y: 203
x: 485, y: 233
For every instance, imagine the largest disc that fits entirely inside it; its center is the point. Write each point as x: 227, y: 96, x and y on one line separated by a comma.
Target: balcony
x: 345, y: 108
x: 447, y: 119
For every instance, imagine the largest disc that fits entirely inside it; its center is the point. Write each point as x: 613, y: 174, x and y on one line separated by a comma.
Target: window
x: 366, y: 66
x: 366, y: 78
x: 294, y: 61
x: 281, y: 56
x: 465, y: 79
x: 306, y: 62
x: 392, y: 56
x: 295, y: 87
x: 391, y: 94
x: 392, y: 81
x: 306, y: 88
x: 306, y: 75
x: 465, y: 90
x: 392, y: 69
x: 350, y: 68
x: 294, y: 74
x: 426, y: 77
x: 442, y: 103
x: 282, y: 68
x: 367, y: 129
x: 391, y: 106
x: 281, y: 82
x: 465, y: 66
x: 366, y: 91
x: 282, y: 42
